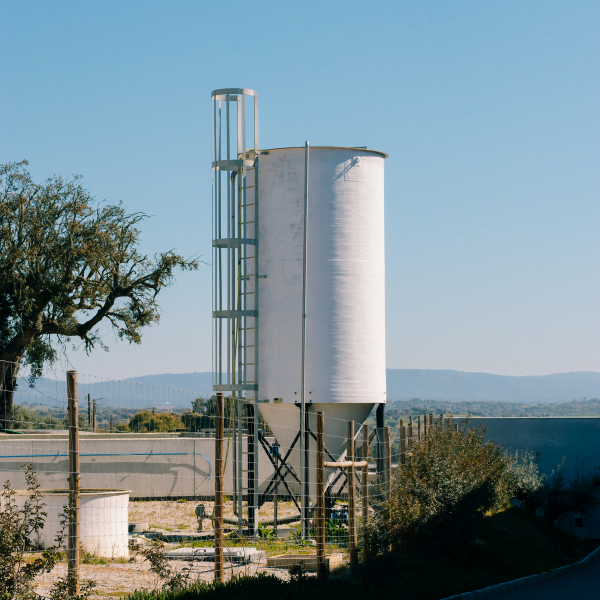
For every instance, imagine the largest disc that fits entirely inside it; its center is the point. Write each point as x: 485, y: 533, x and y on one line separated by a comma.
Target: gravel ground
x: 179, y: 516
x: 115, y: 580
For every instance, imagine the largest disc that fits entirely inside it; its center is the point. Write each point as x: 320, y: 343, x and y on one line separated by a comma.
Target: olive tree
x: 67, y: 263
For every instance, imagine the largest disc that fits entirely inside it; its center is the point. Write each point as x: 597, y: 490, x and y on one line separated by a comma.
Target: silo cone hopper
x: 284, y: 422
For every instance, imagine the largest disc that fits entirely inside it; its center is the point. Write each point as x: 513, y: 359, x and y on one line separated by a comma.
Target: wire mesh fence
x: 202, y: 485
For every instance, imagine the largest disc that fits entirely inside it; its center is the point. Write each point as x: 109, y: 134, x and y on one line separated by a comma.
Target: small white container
x: 103, y: 519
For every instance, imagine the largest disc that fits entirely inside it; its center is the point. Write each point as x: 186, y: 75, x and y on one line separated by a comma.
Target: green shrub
x: 446, y: 486
x: 265, y: 533
x: 525, y: 477
x: 263, y: 587
x: 559, y: 495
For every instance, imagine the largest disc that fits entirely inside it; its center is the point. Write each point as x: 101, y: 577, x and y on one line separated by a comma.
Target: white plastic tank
x: 103, y: 520
x: 345, y: 323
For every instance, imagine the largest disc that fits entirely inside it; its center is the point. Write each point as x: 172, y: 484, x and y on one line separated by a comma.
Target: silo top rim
x: 378, y: 152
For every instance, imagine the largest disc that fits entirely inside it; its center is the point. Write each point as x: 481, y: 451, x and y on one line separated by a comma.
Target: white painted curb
x: 515, y: 584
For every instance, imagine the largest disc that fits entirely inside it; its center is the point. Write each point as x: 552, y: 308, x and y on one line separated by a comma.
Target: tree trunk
x: 8, y: 384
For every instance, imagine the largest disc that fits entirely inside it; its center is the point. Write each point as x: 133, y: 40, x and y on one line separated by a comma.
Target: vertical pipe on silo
x: 256, y: 249
x: 243, y: 337
x: 303, y: 428
x: 213, y: 157
x: 219, y: 252
x: 244, y: 342
x: 228, y: 270
x: 252, y: 504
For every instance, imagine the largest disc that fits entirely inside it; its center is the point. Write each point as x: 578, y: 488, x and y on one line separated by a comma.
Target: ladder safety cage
x: 235, y: 269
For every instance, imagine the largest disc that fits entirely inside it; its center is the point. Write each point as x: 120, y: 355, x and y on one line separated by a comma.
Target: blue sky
x: 489, y: 112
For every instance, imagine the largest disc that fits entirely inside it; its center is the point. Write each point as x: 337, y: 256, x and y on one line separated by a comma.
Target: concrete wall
x: 149, y: 468
x: 576, y: 438
x: 149, y: 465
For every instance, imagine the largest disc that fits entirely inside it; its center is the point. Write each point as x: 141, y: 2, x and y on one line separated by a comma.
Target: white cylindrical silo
x: 345, y: 297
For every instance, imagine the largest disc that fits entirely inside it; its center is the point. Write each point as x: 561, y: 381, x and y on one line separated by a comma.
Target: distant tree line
x: 398, y: 409
x: 201, y: 416
x: 203, y: 411
x: 44, y: 417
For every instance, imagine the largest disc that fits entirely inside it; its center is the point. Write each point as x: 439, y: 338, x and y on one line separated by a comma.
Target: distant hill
x: 195, y: 382
x: 165, y: 391
x: 403, y: 384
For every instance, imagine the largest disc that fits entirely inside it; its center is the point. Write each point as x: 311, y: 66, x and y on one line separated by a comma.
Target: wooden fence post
x: 400, y: 426
x: 388, y: 463
x: 352, y: 541
x: 419, y: 429
x: 410, y: 434
x: 380, y: 415
x: 74, y: 479
x: 402, y: 445
x: 321, y: 570
x: 94, y: 416
x: 218, y: 509
x: 365, y: 491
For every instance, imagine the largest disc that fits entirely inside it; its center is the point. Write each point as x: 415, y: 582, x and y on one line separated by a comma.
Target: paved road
x: 582, y: 584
